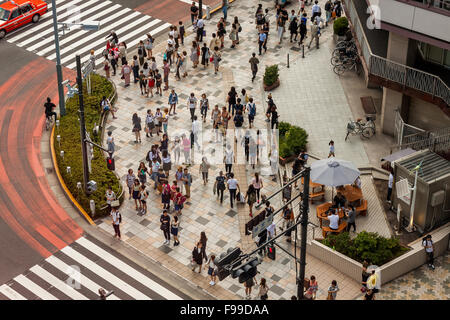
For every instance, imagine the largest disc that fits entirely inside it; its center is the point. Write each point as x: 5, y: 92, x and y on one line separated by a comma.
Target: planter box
x: 276, y: 84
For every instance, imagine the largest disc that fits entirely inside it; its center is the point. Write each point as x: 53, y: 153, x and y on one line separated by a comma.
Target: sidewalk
x: 318, y: 99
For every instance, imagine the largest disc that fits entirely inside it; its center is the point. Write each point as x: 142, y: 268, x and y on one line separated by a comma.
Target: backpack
x: 252, y: 109
x: 221, y: 184
x: 140, y: 51
x: 238, y: 121
x: 182, y: 200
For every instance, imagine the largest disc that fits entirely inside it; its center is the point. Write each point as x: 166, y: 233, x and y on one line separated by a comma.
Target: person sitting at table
x: 339, y: 200
x: 357, y: 183
x: 334, y: 220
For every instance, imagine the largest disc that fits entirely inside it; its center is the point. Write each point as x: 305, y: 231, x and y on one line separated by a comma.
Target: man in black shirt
x: 194, y: 12
x: 49, y: 106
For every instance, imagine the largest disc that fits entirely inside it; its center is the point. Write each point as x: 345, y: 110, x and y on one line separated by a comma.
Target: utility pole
x: 304, y: 222
x: 82, y: 125
x: 200, y: 13
x: 59, y: 75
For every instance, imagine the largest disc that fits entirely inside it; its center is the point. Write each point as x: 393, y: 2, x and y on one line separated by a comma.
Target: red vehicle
x: 17, y: 13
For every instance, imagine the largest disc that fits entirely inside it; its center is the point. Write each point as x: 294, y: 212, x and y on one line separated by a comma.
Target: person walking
x: 328, y: 10
x: 280, y: 28
x: 233, y: 35
x: 211, y: 265
x: 257, y: 185
x: 181, y: 31
x: 332, y: 290
x: 142, y: 53
x: 364, y: 276
x: 428, y: 245
x: 194, y: 12
x: 110, y: 196
x: 130, y: 182
x: 174, y: 230
x: 302, y: 28
x: 225, y: 9
x: 144, y: 197
x: 229, y: 159
x: 150, y: 124
x: 205, y: 55
x: 219, y: 186
x: 195, y: 133
x: 137, y: 194
x: 203, y: 169
x: 116, y: 220
x: 312, y: 289
x: 187, y: 179
x: 250, y: 197
x: 254, y: 65
x: 126, y: 72
x: 204, y: 241
x: 149, y: 46
x: 197, y: 257
x: 106, y: 68
x: 351, y: 215
x: 166, y: 162
x: 165, y: 224
x: 204, y: 106
x: 314, y: 34
x: 263, y: 290
x: 123, y: 52
x: 165, y: 195
x: 248, y: 287
x: 331, y: 153
x: 186, y: 149
x: 154, y: 172
x: 217, y: 57
x: 173, y: 100
x: 215, y: 42
x: 166, y: 70
x: 158, y: 82
x: 238, y: 27
x: 390, y: 185
x: 157, y: 120
x: 252, y: 151
x: 231, y: 99
x: 192, y: 103
x: 176, y: 148
x: 262, y: 41
x: 293, y: 28
x: 200, y: 29
x: 110, y: 143
x: 142, y: 173
x: 233, y: 185
x: 137, y: 127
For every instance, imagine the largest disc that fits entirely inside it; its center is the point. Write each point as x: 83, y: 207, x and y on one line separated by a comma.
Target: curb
x: 63, y: 185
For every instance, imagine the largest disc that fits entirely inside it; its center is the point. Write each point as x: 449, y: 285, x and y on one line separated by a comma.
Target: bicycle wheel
x: 339, y: 69
x: 335, y: 60
x: 367, y: 132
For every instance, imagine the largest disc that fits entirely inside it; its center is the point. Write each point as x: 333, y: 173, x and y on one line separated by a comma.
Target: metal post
x: 82, y: 125
x: 288, y: 60
x: 200, y: 4
x: 303, y: 51
x: 59, y: 75
x: 304, y: 222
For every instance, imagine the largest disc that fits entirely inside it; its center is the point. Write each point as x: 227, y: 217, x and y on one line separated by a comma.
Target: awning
x: 397, y: 155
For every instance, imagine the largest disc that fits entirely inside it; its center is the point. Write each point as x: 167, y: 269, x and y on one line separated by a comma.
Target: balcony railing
x: 393, y: 71
x: 438, y: 4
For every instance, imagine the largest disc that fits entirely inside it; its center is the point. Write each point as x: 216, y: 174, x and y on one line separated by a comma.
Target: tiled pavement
x: 203, y: 212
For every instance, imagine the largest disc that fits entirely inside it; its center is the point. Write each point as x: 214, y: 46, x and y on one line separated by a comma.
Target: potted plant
x: 271, y: 78
x: 340, y: 27
x: 292, y: 140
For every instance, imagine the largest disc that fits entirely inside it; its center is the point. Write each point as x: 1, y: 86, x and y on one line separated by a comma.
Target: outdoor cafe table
x: 352, y: 194
x: 322, y: 209
x: 314, y: 185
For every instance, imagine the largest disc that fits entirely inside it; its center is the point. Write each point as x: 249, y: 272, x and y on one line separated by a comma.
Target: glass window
x: 14, y: 14
x: 435, y: 54
x: 447, y: 58
x: 26, y: 8
x: 4, y: 14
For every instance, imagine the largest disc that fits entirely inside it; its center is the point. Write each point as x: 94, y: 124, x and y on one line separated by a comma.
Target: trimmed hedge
x: 271, y: 75
x: 340, y: 26
x: 293, y: 139
x: 69, y: 130
x: 369, y: 246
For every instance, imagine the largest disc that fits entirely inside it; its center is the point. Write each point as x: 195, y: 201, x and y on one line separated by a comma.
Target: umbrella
x: 334, y: 172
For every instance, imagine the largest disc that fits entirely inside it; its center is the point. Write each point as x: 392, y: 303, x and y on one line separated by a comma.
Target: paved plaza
x: 310, y: 95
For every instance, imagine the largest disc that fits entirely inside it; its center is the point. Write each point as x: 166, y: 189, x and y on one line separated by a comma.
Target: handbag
x: 211, y: 59
x: 122, y: 77
x: 115, y: 203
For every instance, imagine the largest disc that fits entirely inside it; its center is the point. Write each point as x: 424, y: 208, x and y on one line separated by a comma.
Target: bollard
x: 92, y: 206
x: 58, y: 138
x: 303, y: 51
x: 69, y: 171
x: 288, y: 60
x: 62, y: 154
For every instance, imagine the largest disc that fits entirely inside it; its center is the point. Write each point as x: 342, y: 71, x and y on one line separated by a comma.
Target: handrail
x: 397, y: 72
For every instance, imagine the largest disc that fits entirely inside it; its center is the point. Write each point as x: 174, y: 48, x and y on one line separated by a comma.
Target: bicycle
x: 48, y: 122
x: 340, y: 54
x: 366, y: 129
x: 348, y: 64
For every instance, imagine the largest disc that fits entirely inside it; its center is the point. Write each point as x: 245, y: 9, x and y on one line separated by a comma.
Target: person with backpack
x: 219, y: 186
x: 302, y: 28
x: 428, y: 245
x: 238, y: 122
x: 116, y: 220
x: 179, y: 201
x: 251, y: 108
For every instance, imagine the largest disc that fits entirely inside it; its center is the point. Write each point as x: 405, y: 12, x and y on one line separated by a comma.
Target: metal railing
x: 393, y: 71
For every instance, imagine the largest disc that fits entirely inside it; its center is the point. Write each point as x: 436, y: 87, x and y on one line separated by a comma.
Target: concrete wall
x: 426, y: 116
x: 391, y: 270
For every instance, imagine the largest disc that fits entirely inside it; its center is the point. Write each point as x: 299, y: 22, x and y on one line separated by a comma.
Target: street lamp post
x: 304, y: 222
x: 62, y: 106
x: 82, y: 125
x: 200, y: 4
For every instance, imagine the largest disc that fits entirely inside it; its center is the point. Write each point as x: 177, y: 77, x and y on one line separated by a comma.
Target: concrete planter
x: 276, y: 84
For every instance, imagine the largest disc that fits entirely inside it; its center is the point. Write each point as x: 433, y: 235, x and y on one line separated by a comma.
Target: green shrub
x: 69, y: 130
x: 292, y: 139
x: 340, y: 26
x: 369, y: 246
x: 271, y: 75
x: 283, y: 127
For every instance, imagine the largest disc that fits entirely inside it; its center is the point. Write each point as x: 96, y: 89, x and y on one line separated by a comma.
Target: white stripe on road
x: 84, y: 281
x: 94, y: 35
x: 33, y: 287
x: 129, y: 36
x: 119, y: 264
x: 39, y: 26
x: 57, y: 283
x: 85, y: 13
x: 125, y: 287
x: 10, y: 293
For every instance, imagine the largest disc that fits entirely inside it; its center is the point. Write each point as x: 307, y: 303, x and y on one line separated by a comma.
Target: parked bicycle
x: 348, y: 64
x: 366, y: 129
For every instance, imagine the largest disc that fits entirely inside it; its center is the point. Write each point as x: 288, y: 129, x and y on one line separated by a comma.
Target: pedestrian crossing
x: 130, y: 26
x: 77, y: 272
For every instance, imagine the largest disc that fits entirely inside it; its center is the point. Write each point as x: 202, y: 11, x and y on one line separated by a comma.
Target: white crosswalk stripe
x: 79, y: 270
x: 130, y: 26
